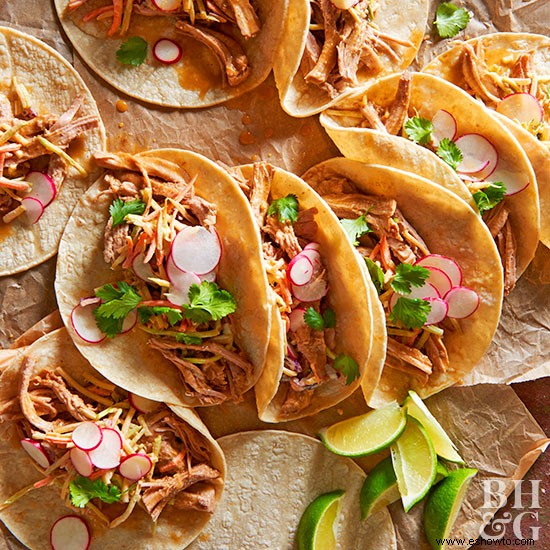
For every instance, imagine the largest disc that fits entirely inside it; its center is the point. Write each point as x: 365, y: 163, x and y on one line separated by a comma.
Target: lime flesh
x: 443, y: 445
x: 366, y: 434
x: 379, y: 489
x: 316, y: 527
x: 443, y: 505
x: 414, y: 463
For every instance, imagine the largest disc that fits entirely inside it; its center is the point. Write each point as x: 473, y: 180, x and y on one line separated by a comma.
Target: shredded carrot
x: 117, y: 17
x: 150, y: 252
x: 12, y: 184
x: 99, y: 11
x: 43, y: 482
x: 374, y: 252
x: 129, y: 253
x: 385, y: 257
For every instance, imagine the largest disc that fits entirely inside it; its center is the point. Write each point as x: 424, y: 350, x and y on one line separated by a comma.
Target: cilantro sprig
x: 450, y: 20
x: 316, y: 321
x: 118, y: 302
x: 449, y: 152
x: 419, y: 129
x: 285, y: 208
x: 208, y: 301
x: 410, y: 312
x: 119, y: 209
x: 407, y: 276
x: 356, y: 228
x: 82, y: 490
x: 347, y: 366
x: 490, y: 196
x: 133, y: 51
x: 172, y: 315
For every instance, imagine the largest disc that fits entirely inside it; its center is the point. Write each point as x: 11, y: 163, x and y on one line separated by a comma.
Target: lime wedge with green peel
x: 444, y: 447
x: 414, y: 463
x: 380, y: 488
x: 316, y: 527
x: 440, y: 473
x: 366, y: 434
x: 443, y: 505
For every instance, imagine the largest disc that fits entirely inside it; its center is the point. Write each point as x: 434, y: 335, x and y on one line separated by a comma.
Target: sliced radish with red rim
x: 35, y: 450
x: 87, y: 436
x: 196, y: 250
x: 136, y: 466
x: 423, y: 292
x: 33, y: 209
x: 43, y: 187
x: 70, y: 533
x: 179, y: 295
x: 439, y: 279
x: 107, y: 454
x: 296, y: 318
x: 84, y: 322
x: 210, y: 276
x: 444, y: 126
x: 522, y: 107
x: 515, y: 181
x: 478, y: 153
x: 141, y: 269
x: 300, y: 270
x: 313, y: 291
x: 312, y: 246
x: 82, y: 462
x: 445, y: 264
x: 167, y: 51
x: 314, y: 257
x: 142, y: 404
x: 438, y: 311
x: 462, y: 302
x: 129, y: 322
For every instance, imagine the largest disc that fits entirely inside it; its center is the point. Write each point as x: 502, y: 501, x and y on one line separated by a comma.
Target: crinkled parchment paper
x: 493, y: 429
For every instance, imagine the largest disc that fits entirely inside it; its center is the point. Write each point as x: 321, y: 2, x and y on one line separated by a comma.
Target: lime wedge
x: 316, y: 527
x: 379, y: 489
x: 414, y: 463
x: 440, y: 473
x: 443, y: 505
x: 365, y: 434
x: 443, y: 445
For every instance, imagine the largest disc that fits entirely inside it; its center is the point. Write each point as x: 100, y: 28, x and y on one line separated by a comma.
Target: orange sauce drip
x: 247, y: 138
x: 246, y: 120
x: 76, y: 147
x: 121, y: 106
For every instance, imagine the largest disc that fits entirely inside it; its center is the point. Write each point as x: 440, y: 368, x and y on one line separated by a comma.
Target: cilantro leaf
x: 314, y: 319
x: 188, y: 339
x: 419, y: 129
x: 490, y: 196
x: 356, y: 228
x: 450, y: 20
x: 285, y: 208
x: 173, y: 315
x: 207, y: 301
x: 376, y: 274
x: 119, y: 209
x: 407, y: 276
x: 410, y: 312
x: 347, y: 366
x: 133, y: 51
x: 449, y: 152
x: 329, y: 317
x: 118, y: 302
x: 82, y: 490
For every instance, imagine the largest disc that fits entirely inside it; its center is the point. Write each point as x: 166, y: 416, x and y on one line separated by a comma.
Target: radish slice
x: 141, y: 269
x: 35, y: 450
x: 462, y: 302
x: 167, y: 51
x: 424, y: 292
x: 87, y: 436
x: 107, y: 455
x: 181, y: 279
x: 300, y: 270
x: 311, y: 292
x: 196, y: 250
x: 142, y: 404
x: 296, y: 319
x: 70, y: 533
x: 81, y: 462
x: 179, y: 295
x: 33, y: 209
x: 440, y: 280
x: 514, y: 181
x: 312, y: 246
x: 438, y: 311
x: 167, y: 5
x: 522, y: 107
x: 210, y: 276
x: 129, y: 322
x: 43, y: 187
x: 478, y: 153
x: 84, y: 323
x: 444, y: 125
x: 448, y: 266
x: 314, y: 257
x: 135, y: 466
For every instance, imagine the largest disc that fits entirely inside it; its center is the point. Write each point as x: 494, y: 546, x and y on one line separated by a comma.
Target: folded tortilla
x: 449, y: 227
x: 52, y: 85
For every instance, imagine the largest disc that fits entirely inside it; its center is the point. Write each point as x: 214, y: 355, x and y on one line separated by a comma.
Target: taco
x: 435, y: 266
x: 333, y: 47
x: 422, y: 124
x: 49, y: 126
x: 510, y: 73
x: 159, y: 279
x: 155, y: 477
x: 176, y: 53
x: 321, y: 328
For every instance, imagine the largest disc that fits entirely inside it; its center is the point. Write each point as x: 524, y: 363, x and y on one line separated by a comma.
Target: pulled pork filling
x: 309, y: 358
x: 30, y: 142
x: 343, y: 42
x: 513, y: 74
x: 391, y: 241
x: 364, y: 113
x: 213, y: 23
x: 51, y: 405
x: 203, y: 349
